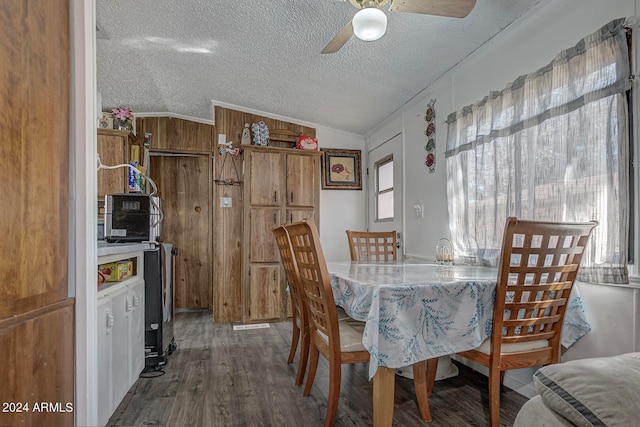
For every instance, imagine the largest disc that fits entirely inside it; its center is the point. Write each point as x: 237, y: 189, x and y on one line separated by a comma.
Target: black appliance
x: 132, y: 217
x: 159, y: 341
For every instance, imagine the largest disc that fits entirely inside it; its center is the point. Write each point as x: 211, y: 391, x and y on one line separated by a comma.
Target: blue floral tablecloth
x: 417, y: 311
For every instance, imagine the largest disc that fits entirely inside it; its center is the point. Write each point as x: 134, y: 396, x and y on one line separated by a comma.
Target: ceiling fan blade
x: 338, y: 41
x: 452, y: 8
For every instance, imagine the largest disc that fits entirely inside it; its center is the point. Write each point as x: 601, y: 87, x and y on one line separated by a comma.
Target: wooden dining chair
x: 338, y: 342
x: 299, y: 315
x: 537, y: 270
x: 374, y: 246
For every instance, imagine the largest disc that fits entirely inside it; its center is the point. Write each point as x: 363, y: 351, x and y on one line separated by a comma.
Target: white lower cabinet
x: 120, y: 343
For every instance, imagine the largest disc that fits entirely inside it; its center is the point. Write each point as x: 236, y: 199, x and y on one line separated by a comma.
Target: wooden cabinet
x: 266, y: 292
x: 176, y: 135
x: 114, y: 148
x: 280, y: 186
x: 302, y: 181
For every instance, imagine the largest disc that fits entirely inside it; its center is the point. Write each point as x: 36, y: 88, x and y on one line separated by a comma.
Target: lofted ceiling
x: 179, y: 56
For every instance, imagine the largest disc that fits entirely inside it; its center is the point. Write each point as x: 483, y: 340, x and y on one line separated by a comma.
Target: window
x: 553, y: 145
x: 384, y: 189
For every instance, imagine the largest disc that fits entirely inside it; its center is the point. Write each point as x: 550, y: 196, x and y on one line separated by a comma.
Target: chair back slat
x: 538, y: 267
x: 315, y: 280
x: 373, y: 246
x: 291, y: 273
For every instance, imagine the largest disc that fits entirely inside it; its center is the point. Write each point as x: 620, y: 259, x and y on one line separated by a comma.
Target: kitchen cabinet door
x: 136, y: 328
x: 105, y: 368
x: 173, y: 134
x: 302, y: 179
x: 263, y: 245
x: 113, y: 148
x: 120, y: 343
x: 265, y: 178
x: 294, y: 215
x: 264, y: 299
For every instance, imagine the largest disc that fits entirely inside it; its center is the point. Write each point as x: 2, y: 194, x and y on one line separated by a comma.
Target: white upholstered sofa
x: 602, y: 391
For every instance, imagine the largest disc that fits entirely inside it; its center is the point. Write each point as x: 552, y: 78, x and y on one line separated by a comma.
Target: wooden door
x: 184, y: 185
x: 302, y: 179
x: 36, y: 312
x: 265, y: 175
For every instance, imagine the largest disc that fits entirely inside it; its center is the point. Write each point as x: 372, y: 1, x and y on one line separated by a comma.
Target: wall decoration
x: 226, y: 149
x: 430, y: 133
x: 260, y: 133
x: 341, y: 169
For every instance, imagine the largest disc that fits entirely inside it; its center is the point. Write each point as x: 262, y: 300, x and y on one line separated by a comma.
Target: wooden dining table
x: 415, y: 312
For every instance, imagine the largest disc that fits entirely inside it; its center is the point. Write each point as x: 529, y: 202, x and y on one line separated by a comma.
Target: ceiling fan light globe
x: 369, y: 24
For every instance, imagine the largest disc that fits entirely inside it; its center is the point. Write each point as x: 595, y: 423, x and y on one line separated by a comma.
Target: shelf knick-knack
x: 246, y: 135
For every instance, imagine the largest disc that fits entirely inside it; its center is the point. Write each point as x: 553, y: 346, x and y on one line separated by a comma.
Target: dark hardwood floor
x: 221, y: 377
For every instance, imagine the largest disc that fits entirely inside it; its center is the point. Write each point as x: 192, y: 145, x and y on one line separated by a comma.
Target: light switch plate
x: 225, y: 202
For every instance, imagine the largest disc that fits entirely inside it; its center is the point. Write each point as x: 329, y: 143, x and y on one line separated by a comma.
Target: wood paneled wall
x: 228, y: 222
x: 181, y: 167
x: 36, y: 312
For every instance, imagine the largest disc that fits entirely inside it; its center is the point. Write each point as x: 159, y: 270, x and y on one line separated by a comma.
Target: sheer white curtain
x: 553, y: 145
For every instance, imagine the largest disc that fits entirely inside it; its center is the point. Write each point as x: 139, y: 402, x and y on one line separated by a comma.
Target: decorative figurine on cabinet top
x: 246, y: 135
x: 260, y: 133
x: 307, y: 143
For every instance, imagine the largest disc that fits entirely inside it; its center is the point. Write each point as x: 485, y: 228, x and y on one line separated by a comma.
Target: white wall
x: 525, y: 46
x: 340, y: 209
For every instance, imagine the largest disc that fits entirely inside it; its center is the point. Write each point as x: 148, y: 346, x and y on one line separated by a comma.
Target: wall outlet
x: 225, y: 202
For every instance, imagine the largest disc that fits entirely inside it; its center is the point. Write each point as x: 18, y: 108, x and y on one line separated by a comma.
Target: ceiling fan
x: 370, y: 22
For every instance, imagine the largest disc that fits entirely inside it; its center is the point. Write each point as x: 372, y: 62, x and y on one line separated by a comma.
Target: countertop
x: 105, y: 248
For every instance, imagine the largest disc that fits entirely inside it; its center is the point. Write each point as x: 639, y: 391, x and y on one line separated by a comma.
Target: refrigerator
x: 159, y: 341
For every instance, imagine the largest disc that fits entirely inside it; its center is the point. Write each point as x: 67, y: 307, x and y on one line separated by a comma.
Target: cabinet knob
x: 275, y: 196
x: 292, y: 197
x: 275, y: 219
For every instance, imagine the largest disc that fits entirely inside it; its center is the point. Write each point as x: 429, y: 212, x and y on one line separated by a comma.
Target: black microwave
x: 132, y: 217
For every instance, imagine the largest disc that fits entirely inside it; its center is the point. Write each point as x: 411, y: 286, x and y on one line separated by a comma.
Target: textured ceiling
x: 178, y: 56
